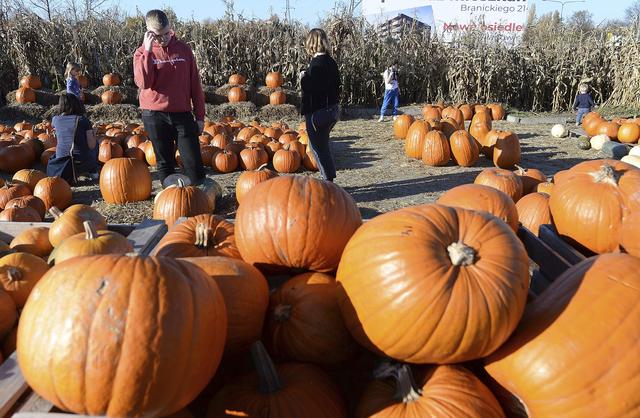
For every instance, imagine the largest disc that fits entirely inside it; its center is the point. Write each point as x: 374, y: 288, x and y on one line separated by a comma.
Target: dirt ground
x: 372, y: 168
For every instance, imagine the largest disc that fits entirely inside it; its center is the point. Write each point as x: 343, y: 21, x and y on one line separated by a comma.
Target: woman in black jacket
x: 320, y: 96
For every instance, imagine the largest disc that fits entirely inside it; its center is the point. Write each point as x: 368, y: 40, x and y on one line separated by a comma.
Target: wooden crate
x: 16, y: 398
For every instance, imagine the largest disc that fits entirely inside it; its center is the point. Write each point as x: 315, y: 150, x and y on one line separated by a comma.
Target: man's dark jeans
x: 166, y: 128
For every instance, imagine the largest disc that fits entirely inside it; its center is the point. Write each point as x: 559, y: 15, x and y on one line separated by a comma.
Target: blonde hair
x: 317, y: 41
x: 156, y: 19
x: 71, y: 66
x: 583, y: 87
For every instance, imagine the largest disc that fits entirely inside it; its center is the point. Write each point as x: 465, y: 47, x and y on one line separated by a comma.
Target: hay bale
x: 31, y: 112
x: 224, y: 91
x: 261, y: 98
x: 43, y: 97
x: 53, y: 111
x: 243, y: 110
x: 89, y: 97
x: 129, y: 94
x: 277, y: 113
x: 211, y: 96
x: 106, y: 113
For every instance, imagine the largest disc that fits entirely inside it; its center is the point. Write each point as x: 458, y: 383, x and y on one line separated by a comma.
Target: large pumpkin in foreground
x: 295, y: 222
x: 454, y: 280
x: 122, y: 336
x: 591, y: 201
x: 575, y: 352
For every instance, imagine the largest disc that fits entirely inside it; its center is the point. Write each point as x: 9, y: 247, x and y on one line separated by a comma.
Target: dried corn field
x: 540, y: 73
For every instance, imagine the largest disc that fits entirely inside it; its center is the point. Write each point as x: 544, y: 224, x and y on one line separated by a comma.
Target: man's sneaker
x: 381, y: 119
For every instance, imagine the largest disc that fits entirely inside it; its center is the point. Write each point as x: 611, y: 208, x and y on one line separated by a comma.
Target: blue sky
x: 309, y: 10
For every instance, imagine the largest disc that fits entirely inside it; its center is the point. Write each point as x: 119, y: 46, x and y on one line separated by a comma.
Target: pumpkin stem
x: 267, y: 373
x: 180, y: 182
x: 521, y: 171
x: 606, y: 174
x: 14, y: 274
x: 90, y: 230
x: 261, y: 167
x: 406, y: 388
x: 203, y: 235
x: 55, y: 212
x: 282, y: 312
x: 461, y: 254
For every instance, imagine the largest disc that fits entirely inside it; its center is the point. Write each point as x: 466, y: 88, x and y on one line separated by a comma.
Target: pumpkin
x: 248, y: 180
x: 545, y: 187
x: 309, y: 161
x: 8, y: 314
x: 435, y: 149
x: 480, y: 127
x: 278, y: 391
x: 629, y: 242
x: 246, y: 296
x: 401, y: 126
x: 178, y: 201
x: 530, y: 179
x: 259, y: 139
x: 236, y: 95
x: 455, y: 114
x: 503, y: 147
x: 285, y: 138
x: 467, y: 111
x: 149, y: 153
x: 134, y: 141
x: 25, y: 214
x: 33, y: 241
x: 25, y: 95
x: 497, y: 111
x: 591, y: 126
x: 633, y: 160
x: 29, y: 177
x: 436, y: 391
x: 252, y: 157
x: 448, y: 127
x: 598, y: 141
x: 83, y: 81
x: 236, y: 146
x: 431, y: 112
x: 533, y: 211
x: 482, y: 198
x: 46, y: 155
x: 584, y: 143
x: 414, y: 141
x: 588, y: 318
x: 71, y: 222
x: 36, y: 145
x: 143, y: 313
x: 16, y: 157
x: 304, y: 321
x: 287, y: 160
x: 53, y: 191
x: 590, y: 203
x: 429, y: 272
x: 19, y: 273
x: 111, y: 97
x: 225, y: 161
x: 236, y: 79
x: 136, y: 154
x: 297, y: 146
x: 10, y: 191
x: 31, y: 81
x: 272, y: 132
x: 629, y: 133
x: 278, y: 97
x: 274, y: 80
x: 464, y: 148
x: 111, y: 79
x: 503, y: 180
x: 609, y: 129
x: 199, y: 236
x: 108, y: 150
x: 91, y: 242
x: 285, y: 222
x: 559, y: 131
x: 219, y: 141
x: 124, y: 180
x: 28, y: 201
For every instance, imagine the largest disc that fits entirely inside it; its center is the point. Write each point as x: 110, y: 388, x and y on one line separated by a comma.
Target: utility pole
x: 353, y: 4
x: 563, y: 2
x: 287, y: 11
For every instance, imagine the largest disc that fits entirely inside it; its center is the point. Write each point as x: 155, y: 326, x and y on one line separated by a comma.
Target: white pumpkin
x: 598, y: 141
x: 634, y: 160
x: 559, y: 131
x: 635, y: 151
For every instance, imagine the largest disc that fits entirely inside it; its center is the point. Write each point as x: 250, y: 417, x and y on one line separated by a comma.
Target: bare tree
x: 48, y: 7
x: 582, y: 20
x: 632, y: 13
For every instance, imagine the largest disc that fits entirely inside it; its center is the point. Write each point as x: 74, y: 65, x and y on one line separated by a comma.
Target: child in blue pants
x: 584, y: 103
x: 391, y: 90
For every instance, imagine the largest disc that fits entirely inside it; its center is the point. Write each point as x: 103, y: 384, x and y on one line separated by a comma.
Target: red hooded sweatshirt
x: 168, y: 78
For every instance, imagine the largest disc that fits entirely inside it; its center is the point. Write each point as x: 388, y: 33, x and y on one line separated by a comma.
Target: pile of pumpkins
x: 27, y: 87
x: 111, y: 96
x: 612, y: 137
x: 441, y: 136
x: 286, y: 314
x: 22, y: 144
x: 273, y: 80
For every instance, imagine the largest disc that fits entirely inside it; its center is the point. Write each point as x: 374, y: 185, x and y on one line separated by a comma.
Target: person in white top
x: 391, y: 90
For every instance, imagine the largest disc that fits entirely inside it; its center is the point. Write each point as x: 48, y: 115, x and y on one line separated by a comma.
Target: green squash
x: 584, y: 143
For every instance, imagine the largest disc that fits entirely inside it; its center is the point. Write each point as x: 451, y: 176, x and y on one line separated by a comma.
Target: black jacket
x: 320, y: 84
x: 583, y: 101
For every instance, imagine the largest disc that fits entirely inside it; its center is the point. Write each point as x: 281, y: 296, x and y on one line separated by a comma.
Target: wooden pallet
x: 16, y: 398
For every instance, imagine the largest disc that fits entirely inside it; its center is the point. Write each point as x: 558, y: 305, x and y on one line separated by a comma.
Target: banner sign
x: 447, y: 17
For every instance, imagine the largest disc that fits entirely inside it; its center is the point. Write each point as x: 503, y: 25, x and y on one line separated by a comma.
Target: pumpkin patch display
x: 124, y: 180
x: 144, y: 314
x: 295, y: 222
x: 428, y: 272
x: 587, y: 318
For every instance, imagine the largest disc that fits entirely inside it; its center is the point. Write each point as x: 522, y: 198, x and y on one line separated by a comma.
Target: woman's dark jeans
x: 319, y: 126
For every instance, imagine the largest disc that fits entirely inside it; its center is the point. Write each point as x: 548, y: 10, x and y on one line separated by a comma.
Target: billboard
x: 447, y: 17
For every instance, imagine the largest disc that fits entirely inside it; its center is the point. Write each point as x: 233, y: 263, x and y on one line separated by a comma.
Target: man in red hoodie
x: 165, y: 70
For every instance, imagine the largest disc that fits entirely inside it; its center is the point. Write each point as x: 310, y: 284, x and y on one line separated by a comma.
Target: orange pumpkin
x: 629, y: 133
x: 10, y: 191
x: 29, y: 177
x: 503, y: 147
x: 16, y: 214
x: 108, y: 150
x: 429, y: 272
x: 436, y: 391
x: 91, y: 242
x: 287, y: 160
x: 33, y: 241
x: 225, y: 161
x: 252, y: 157
x: 236, y: 95
x: 25, y: 95
x: 431, y: 112
x: 249, y: 179
x: 414, y: 141
x: 274, y: 80
x: 467, y: 111
x: 591, y: 123
x: 479, y: 128
x: 111, y: 97
x: 464, y: 148
x: 587, y: 318
x: 455, y: 114
x: 31, y: 81
x: 435, y: 149
x: 180, y: 201
x: 503, y: 180
x: 304, y: 321
x: 482, y: 198
x: 533, y: 211
x: 545, y: 187
x: 124, y: 180
x: 237, y: 79
x: 111, y: 79
x: 8, y: 314
x: 279, y: 224
x: 53, y: 191
x: 530, y: 179
x: 609, y: 129
x: 497, y: 111
x: 278, y: 97
x: 143, y: 313
x: 401, y: 126
x: 19, y: 273
x: 71, y: 222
